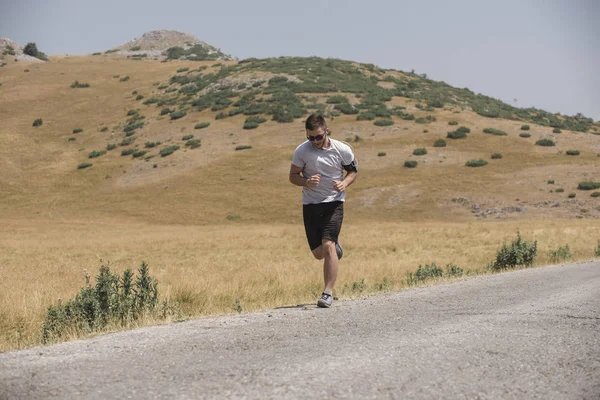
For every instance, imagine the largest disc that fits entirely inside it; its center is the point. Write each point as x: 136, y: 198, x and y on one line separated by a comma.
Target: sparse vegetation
x: 381, y: 154
x: 84, y: 165
x: 182, y: 69
x: 38, y: 122
x: 178, y: 114
x: 572, y: 195
x: 420, y: 151
x: 525, y: 135
x: 187, y: 137
x: 572, y: 152
x: 166, y: 151
x: 496, y: 156
x: 588, y: 185
x: 524, y: 127
x: 556, y: 130
x: 595, y: 194
x: 243, y: 147
x: 202, y: 125
x: 439, y: 143
x: 561, y: 254
x: 193, y: 143
x: 96, y: 153
x: 453, y: 123
x: 77, y: 130
x: 410, y: 164
x: 124, y: 79
x: 139, y: 153
x: 127, y: 152
x: 496, y: 132
x: 383, y: 122
x: 560, y: 190
x: 77, y: 85
x: 165, y: 111
x: 519, y: 253
x: 476, y: 163
x: 456, y: 135
x: 545, y: 142
x: 111, y: 146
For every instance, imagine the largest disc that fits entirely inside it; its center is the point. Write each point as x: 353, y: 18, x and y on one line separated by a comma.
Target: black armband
x: 352, y: 167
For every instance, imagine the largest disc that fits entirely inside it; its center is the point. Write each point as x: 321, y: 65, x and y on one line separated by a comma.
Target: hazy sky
x: 544, y: 54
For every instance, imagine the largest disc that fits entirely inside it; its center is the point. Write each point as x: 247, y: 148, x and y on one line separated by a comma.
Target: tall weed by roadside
x: 520, y: 252
x: 561, y: 254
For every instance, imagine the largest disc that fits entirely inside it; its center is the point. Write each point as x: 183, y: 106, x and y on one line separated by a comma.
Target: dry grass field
x: 218, y: 225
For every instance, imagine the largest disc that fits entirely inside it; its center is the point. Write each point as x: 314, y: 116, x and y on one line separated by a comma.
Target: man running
x: 318, y: 166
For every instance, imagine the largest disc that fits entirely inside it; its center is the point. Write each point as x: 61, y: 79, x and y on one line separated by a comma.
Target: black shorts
x: 323, y: 221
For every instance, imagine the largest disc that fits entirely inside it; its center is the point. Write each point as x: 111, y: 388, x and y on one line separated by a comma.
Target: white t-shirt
x: 329, y: 163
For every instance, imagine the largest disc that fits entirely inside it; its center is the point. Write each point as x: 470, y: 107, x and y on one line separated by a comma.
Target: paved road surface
x: 528, y: 334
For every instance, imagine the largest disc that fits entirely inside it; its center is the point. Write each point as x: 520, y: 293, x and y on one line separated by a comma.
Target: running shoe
x: 325, y: 300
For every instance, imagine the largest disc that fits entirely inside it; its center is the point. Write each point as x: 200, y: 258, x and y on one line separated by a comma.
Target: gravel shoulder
x: 532, y: 333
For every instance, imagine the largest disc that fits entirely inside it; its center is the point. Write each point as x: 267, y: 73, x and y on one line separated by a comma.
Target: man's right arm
x: 295, y: 176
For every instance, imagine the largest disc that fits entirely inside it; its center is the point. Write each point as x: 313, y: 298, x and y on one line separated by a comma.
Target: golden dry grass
x: 58, y: 221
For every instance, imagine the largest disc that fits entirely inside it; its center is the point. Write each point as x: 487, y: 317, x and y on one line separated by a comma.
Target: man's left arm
x: 351, y: 174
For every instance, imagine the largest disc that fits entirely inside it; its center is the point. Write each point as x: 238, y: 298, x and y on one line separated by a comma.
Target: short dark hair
x: 315, y: 122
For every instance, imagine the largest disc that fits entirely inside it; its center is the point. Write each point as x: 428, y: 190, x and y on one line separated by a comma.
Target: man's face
x: 318, y: 137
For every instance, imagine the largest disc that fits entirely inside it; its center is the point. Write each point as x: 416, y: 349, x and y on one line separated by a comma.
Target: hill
x: 13, y: 51
x: 162, y: 44
x: 185, y: 164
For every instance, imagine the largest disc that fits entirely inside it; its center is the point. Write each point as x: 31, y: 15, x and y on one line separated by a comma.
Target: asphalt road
x: 527, y: 334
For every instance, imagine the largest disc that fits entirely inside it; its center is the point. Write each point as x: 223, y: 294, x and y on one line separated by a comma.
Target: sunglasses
x: 316, y: 138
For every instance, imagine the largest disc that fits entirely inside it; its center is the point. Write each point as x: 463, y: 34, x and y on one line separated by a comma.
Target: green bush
x: 127, y: 141
x: 572, y: 195
x: 337, y: 99
x: 426, y: 272
x: 381, y: 154
x: 496, y: 132
x: 572, y: 152
x: 84, y: 165
x: 221, y: 115
x: 77, y: 130
x: 596, y: 194
x: 250, y: 125
x: 104, y: 129
x: 255, y: 119
x: 202, y: 125
x: 525, y: 135
x: 588, y: 185
x: 366, y: 116
x: 193, y: 143
x: 135, y: 48
x: 165, y: 111
x: 71, y: 139
x: 556, y: 130
x: 454, y: 270
x: 597, y: 250
x: 132, y: 112
x: 96, y: 153
x: 166, y: 151
x: 439, y: 143
x: 420, y: 151
x: 476, y: 163
x: 456, y: 135
x: 139, y: 97
x: 410, y: 164
x: 187, y: 137
x: 453, y: 123
x: 124, y: 79
x: 560, y: 190
x: 463, y: 129
x: 182, y: 69
x: 151, y: 100
x: 383, y: 122
x: 545, y: 142
x: 520, y: 252
x: 243, y: 147
x: 127, y: 152
x: 111, y: 146
x: 178, y: 114
x: 38, y: 122
x: 496, y: 156
x: 550, y: 181
x: 346, y: 108
x: 150, y: 145
x: 524, y: 127
x: 561, y: 254
x: 77, y: 84
x: 139, y: 153
x: 426, y: 120
x: 113, y: 300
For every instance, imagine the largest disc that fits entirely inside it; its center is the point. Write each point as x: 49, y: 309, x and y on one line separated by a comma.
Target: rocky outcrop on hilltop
x: 9, y: 48
x: 170, y: 44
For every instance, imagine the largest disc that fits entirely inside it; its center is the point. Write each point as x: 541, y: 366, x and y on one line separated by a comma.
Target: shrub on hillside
x: 366, y: 116
x: 77, y: 130
x: 178, y: 114
x: 84, y: 165
x: 139, y: 97
x: 242, y: 147
x: 556, y: 130
x: 165, y: 111
x: 187, y: 137
x: 496, y: 156
x: 525, y: 135
x: 426, y: 120
x: 496, y: 132
x: 77, y: 84
x: 166, y: 151
x: 124, y: 79
x: 520, y: 252
x: 150, y: 145
x: 127, y: 152
x: 439, y: 143
x: 255, y: 119
x: 96, y: 153
x: 139, y: 153
x: 595, y: 194
x: 202, y: 125
x: 524, y: 127
x: 346, y: 108
x: 561, y: 254
x: 476, y: 163
x: 250, y: 125
x: 111, y: 146
x: 545, y: 142
x: 572, y: 195
x: 420, y: 151
x: 410, y: 164
x: 383, y: 122
x: 463, y: 129
x: 453, y: 123
x: 572, y: 152
x: 337, y: 99
x: 381, y: 154
x: 31, y: 50
x: 456, y: 135
x: 560, y: 190
x: 38, y: 122
x: 113, y: 300
x: 182, y: 69
x: 588, y: 185
x: 193, y: 143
